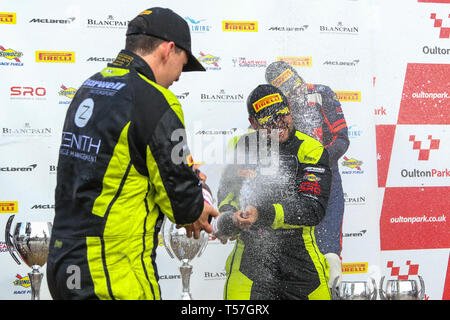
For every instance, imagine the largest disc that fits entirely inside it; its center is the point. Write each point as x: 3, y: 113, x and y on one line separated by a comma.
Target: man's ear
x: 166, y: 48
x: 253, y: 123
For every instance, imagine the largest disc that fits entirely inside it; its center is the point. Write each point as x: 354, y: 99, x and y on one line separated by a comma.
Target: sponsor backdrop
x: 386, y: 60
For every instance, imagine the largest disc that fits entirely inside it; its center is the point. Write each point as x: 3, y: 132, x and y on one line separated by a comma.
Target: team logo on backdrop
x: 52, y: 21
x: 355, y: 267
x: 352, y: 63
x: 222, y: 96
x: 109, y: 23
x: 339, y: 28
x: 182, y: 96
x: 29, y: 168
x: 100, y: 59
x: 424, y: 151
x: 9, y: 206
x: 222, y: 275
x: 55, y: 56
x: 354, y: 132
x: 209, y: 61
x: 358, y: 234
x: 42, y: 206
x: 352, y: 199
x: 240, y: 26
x: 297, y: 61
x: 68, y: 93
x: 348, y: 96
x: 7, y: 18
x: 353, y: 164
x: 12, y: 55
x: 288, y: 28
x: 28, y: 93
x: 198, y: 26
x: 3, y: 247
x: 444, y: 31
x: 411, y: 270
x: 22, y: 281
x: 27, y: 131
x: 243, y: 62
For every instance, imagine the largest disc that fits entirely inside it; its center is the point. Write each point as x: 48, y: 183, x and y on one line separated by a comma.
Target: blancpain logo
x: 340, y: 29
x: 109, y: 22
x: 26, y: 131
x: 222, y: 96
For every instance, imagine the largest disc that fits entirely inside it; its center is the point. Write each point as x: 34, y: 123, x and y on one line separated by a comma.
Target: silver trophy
x: 31, y: 241
x: 354, y: 290
x: 185, y: 249
x: 402, y: 289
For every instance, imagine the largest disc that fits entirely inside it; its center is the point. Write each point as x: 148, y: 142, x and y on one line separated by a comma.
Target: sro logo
x: 28, y: 91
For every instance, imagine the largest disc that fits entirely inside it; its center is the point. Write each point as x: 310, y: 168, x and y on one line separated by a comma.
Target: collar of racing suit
x: 129, y: 60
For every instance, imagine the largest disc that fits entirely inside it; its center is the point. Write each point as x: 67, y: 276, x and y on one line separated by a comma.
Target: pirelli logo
x: 7, y: 18
x: 297, y: 61
x: 240, y: 26
x: 282, y: 78
x: 349, y: 96
x: 267, y: 101
x: 8, y: 206
x: 55, y: 56
x: 355, y: 267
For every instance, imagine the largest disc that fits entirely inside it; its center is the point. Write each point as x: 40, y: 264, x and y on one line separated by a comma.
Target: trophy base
x: 186, y: 296
x: 35, y: 281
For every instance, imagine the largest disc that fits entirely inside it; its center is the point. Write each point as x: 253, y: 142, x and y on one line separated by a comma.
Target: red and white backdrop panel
x: 387, y: 60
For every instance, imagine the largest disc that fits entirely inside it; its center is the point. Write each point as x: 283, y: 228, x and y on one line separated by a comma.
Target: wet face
x: 282, y: 123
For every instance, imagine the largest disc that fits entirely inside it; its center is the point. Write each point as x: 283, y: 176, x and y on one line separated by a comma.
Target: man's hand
x: 244, y: 220
x: 202, y: 222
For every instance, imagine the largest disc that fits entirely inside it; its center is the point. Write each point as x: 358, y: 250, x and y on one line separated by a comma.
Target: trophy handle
x: 421, y: 294
x: 164, y: 238
x: 373, y: 295
x: 334, y: 289
x: 382, y: 295
x: 8, y: 241
x: 204, y: 244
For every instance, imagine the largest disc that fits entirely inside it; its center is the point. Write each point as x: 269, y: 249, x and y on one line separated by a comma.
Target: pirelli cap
x: 265, y: 103
x: 165, y: 24
x: 283, y: 76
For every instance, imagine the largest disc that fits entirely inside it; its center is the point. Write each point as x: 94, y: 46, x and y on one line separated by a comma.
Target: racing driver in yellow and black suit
x: 123, y: 165
x: 277, y: 256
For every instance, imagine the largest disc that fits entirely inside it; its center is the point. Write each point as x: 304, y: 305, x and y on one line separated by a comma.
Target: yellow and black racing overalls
x: 123, y: 164
x: 277, y: 257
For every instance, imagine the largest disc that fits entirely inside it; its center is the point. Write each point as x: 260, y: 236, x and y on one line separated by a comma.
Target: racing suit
x: 117, y: 177
x: 277, y: 257
x: 321, y: 117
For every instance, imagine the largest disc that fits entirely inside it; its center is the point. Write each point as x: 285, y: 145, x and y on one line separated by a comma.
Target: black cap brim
x: 193, y: 64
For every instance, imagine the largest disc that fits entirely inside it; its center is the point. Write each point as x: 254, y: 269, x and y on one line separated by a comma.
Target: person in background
x: 120, y: 171
x: 317, y: 112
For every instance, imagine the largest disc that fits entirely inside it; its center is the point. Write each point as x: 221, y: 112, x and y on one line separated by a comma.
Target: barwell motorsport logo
x: 13, y: 57
x: 55, y: 56
x: 7, y: 18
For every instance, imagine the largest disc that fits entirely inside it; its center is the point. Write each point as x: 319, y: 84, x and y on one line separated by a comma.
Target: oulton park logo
x: 424, y: 152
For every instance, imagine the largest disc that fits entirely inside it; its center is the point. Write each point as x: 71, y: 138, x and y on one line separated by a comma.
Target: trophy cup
x: 354, y: 290
x: 185, y: 249
x: 30, y: 240
x: 402, y: 289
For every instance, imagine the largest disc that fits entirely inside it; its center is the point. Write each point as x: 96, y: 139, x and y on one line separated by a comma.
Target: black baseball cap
x: 165, y: 24
x: 267, y: 102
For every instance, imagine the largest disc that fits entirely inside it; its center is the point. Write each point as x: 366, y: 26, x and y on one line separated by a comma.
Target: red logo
x: 444, y: 32
x: 424, y: 153
x: 413, y: 270
x: 28, y: 91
